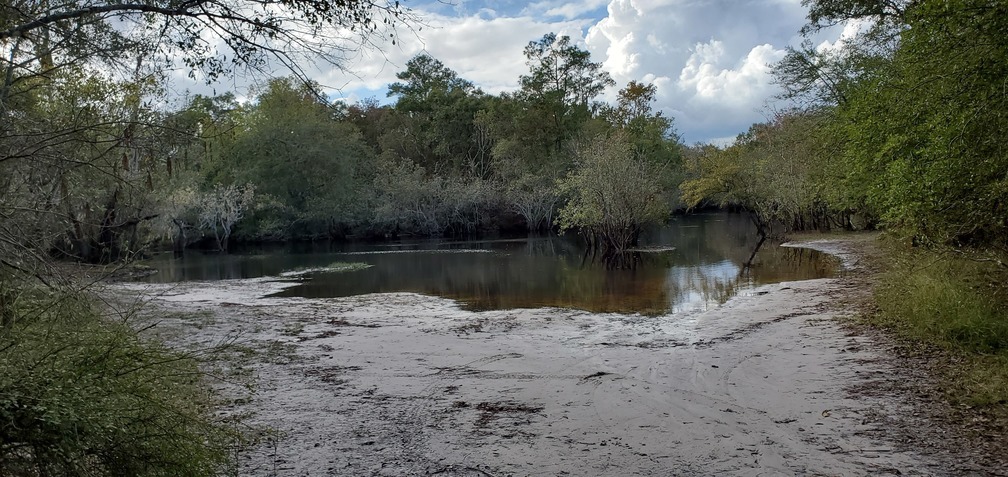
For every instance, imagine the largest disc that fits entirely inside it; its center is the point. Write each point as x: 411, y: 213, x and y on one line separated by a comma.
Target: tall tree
x: 562, y: 82
x: 301, y: 160
x: 437, y: 110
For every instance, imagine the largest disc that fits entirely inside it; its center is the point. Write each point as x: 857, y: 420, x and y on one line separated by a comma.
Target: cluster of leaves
x: 918, y: 104
x: 926, y: 127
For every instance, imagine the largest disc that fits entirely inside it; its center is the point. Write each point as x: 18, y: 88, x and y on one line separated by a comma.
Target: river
x: 692, y: 263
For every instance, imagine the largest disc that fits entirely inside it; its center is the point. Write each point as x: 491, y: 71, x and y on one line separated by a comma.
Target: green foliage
x: 624, y: 174
x: 81, y: 394
x: 778, y: 171
x: 437, y: 108
x: 613, y: 192
x: 926, y: 131
x: 560, y: 87
x: 955, y: 301
x: 561, y: 73
x: 296, y: 152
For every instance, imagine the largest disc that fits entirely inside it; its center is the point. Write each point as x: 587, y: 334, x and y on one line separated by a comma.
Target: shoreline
x: 405, y: 384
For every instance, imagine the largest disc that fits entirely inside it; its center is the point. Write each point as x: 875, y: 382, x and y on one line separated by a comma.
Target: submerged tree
x: 614, y: 193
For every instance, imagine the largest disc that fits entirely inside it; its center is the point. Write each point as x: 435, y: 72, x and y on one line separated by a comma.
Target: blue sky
x: 710, y: 59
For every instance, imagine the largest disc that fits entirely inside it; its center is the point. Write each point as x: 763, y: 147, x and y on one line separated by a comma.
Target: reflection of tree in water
x: 776, y: 264
x: 701, y: 265
x: 550, y: 246
x: 703, y: 286
x: 611, y: 260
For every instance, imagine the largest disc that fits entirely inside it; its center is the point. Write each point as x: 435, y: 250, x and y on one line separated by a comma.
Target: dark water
x: 703, y: 267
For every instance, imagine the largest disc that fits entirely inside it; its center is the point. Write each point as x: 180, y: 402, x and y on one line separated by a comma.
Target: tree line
x: 900, y: 126
x: 444, y: 158
x: 896, y: 126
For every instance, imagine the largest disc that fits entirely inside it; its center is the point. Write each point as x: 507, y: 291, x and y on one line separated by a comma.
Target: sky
x: 709, y: 59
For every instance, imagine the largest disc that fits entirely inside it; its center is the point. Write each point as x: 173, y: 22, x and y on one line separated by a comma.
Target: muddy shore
x: 402, y: 384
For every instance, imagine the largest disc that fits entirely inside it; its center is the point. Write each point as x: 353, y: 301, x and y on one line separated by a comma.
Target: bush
x: 81, y: 394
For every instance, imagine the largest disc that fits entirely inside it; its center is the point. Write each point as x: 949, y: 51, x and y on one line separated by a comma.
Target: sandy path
x: 403, y: 384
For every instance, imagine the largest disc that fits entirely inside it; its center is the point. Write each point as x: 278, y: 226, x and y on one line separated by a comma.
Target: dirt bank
x: 404, y: 384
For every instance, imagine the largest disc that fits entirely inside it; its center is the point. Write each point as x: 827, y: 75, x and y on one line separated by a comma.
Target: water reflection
x: 699, y: 265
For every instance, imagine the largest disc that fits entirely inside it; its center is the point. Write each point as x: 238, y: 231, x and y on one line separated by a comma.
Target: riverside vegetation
x: 900, y: 127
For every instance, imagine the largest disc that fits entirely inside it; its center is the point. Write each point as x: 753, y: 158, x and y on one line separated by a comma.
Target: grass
x: 954, y: 302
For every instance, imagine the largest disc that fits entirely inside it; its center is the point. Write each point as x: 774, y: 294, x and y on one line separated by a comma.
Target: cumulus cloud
x: 708, y: 59
x: 565, y: 9
x: 485, y: 50
x: 711, y: 79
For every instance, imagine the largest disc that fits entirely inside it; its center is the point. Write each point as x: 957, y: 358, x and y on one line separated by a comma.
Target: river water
x: 694, y: 262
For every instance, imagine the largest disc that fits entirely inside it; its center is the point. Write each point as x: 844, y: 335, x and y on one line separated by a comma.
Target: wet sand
x: 405, y: 384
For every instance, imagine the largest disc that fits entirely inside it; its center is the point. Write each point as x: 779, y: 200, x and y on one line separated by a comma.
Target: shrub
x: 81, y: 394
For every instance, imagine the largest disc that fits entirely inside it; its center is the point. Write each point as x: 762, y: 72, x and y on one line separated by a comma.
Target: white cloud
x: 487, y: 51
x: 565, y: 9
x: 707, y: 79
x: 708, y: 58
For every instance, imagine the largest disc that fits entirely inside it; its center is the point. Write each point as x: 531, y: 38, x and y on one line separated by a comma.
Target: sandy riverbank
x: 404, y: 384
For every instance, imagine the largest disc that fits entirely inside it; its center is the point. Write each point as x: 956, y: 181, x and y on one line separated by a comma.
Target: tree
x: 926, y: 133
x: 222, y: 207
x: 427, y: 82
x: 562, y: 82
x: 561, y: 72
x: 613, y: 194
x: 300, y: 157
x: 525, y: 159
x: 824, y: 76
x: 919, y: 101
x: 652, y: 133
x: 780, y: 172
x: 436, y: 108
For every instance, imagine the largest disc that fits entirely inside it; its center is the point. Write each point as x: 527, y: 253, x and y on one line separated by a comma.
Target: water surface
x: 698, y: 264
